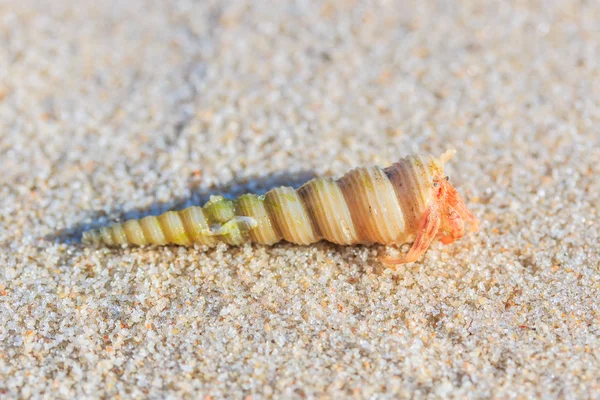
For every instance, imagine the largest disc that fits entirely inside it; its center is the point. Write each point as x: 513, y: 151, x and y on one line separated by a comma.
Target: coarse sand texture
x: 112, y: 110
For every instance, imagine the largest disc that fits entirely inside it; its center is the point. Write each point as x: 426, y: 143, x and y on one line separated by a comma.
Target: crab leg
x: 428, y: 229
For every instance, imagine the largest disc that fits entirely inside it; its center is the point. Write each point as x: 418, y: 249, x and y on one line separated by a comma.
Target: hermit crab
x: 409, y: 201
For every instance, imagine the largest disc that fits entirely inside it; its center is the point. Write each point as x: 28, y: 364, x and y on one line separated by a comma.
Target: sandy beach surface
x: 112, y: 109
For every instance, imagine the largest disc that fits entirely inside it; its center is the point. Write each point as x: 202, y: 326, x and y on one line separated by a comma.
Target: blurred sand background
x: 110, y: 109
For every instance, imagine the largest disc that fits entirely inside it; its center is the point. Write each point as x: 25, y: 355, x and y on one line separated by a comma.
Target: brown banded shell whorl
x: 328, y: 208
x: 372, y: 201
x: 412, y: 180
x: 288, y: 213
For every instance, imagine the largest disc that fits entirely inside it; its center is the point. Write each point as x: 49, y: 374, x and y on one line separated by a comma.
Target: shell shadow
x: 233, y: 189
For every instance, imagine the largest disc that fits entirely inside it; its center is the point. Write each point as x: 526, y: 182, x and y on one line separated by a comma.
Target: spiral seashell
x: 411, y: 200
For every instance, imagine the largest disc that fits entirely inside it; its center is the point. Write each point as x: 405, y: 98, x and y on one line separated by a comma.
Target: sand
x: 111, y: 109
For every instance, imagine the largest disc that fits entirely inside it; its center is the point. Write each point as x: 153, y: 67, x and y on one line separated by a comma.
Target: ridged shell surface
x: 367, y: 205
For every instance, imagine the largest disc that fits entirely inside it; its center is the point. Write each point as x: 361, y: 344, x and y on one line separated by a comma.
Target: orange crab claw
x: 458, y: 205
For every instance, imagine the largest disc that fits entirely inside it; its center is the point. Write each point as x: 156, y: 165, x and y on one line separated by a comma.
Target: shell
x: 367, y: 205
